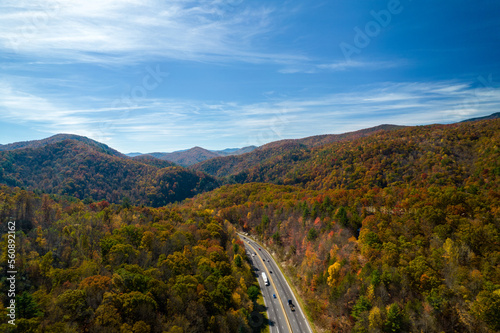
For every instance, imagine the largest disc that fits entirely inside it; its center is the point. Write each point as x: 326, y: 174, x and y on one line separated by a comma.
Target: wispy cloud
x: 340, y: 66
x: 171, y: 124
x: 351, y: 64
x: 127, y: 30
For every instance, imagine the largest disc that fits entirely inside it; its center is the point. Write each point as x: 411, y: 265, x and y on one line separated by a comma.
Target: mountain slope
x: 234, y: 165
x: 398, y: 229
x: 113, y: 269
x: 195, y: 155
x: 441, y: 154
x: 72, y: 167
x: 187, y: 157
x: 319, y: 140
x: 58, y: 138
x: 235, y: 151
x: 491, y: 116
x: 151, y: 160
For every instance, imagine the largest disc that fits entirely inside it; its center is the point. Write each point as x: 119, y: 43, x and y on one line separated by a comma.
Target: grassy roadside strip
x: 261, y: 304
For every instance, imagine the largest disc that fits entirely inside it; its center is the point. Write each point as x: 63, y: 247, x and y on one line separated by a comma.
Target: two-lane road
x: 281, y: 317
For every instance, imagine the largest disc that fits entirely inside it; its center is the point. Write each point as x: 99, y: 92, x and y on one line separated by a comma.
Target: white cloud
x: 124, y: 31
x: 172, y: 124
x: 339, y: 66
x: 344, y: 65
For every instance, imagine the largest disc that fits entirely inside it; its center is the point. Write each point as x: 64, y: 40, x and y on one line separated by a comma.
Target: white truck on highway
x: 264, y: 277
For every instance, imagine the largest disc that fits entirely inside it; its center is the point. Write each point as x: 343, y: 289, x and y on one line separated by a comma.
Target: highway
x: 281, y: 317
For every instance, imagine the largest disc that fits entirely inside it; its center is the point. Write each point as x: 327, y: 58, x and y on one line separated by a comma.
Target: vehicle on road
x: 290, y: 304
x: 266, y: 280
x: 274, y: 295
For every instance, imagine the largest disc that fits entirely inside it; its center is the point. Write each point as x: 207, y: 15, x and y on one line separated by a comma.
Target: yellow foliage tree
x: 333, y: 274
x: 375, y: 318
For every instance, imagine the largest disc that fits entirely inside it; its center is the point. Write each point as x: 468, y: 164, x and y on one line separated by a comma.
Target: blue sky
x: 168, y: 75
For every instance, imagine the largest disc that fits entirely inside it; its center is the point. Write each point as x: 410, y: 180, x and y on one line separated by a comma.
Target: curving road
x: 281, y: 318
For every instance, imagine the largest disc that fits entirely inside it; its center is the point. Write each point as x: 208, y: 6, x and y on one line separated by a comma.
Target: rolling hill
x: 195, y: 155
x: 234, y: 165
x: 235, y: 151
x: 186, y: 157
x: 398, y: 231
x: 84, y: 169
x: 58, y: 138
x: 491, y: 116
x: 445, y: 154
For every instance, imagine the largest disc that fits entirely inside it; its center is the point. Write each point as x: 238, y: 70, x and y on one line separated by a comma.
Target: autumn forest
x: 389, y: 229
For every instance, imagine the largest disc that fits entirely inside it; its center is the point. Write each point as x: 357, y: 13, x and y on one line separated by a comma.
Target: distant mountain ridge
x: 194, y: 155
x: 235, y: 151
x: 384, y: 158
x: 319, y: 140
x: 84, y: 168
x: 233, y: 165
x: 238, y: 167
x: 187, y: 157
x: 491, y: 116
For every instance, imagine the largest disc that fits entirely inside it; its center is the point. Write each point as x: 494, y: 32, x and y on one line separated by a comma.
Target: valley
x: 385, y: 229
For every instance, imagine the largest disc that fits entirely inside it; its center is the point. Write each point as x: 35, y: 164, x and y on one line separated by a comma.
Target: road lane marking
x: 292, y: 295
x: 272, y: 282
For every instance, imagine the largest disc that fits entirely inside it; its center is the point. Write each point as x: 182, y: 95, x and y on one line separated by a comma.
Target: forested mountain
x: 72, y: 167
x: 269, y: 153
x: 389, y: 229
x: 491, y: 116
x: 399, y: 259
x: 187, y: 157
x: 196, y: 154
x: 58, y: 138
x: 151, y: 160
x: 320, y: 140
x: 235, y: 151
x: 397, y: 232
x: 106, y: 268
x: 434, y: 154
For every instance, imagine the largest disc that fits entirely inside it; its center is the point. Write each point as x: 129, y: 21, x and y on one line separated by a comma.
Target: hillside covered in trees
x: 420, y: 155
x: 109, y: 268
x: 397, y: 232
x: 58, y: 138
x: 86, y: 171
x: 390, y: 230
x: 277, y: 151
